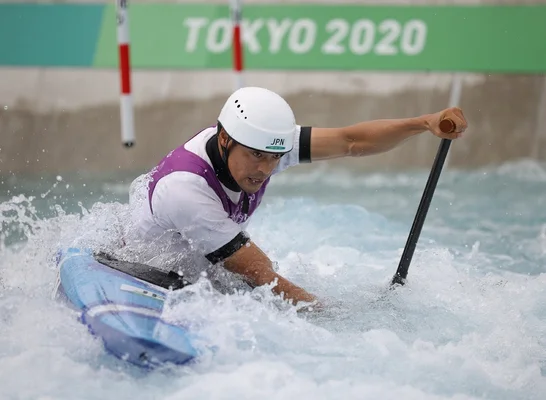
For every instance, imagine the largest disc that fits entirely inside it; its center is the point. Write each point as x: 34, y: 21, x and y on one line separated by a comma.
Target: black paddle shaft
x: 407, y: 255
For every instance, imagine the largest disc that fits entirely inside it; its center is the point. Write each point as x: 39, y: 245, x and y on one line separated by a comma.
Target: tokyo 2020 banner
x: 497, y: 39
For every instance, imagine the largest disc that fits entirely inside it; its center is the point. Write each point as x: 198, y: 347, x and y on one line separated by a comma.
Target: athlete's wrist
x: 420, y: 124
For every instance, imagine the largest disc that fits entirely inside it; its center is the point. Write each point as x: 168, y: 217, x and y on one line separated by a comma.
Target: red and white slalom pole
x: 237, y: 44
x: 127, y: 122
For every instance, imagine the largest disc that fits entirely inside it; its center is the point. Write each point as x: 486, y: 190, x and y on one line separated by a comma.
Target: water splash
x: 469, y: 324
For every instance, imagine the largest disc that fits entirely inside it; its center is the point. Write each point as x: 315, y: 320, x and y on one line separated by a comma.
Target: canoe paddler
x: 200, y: 198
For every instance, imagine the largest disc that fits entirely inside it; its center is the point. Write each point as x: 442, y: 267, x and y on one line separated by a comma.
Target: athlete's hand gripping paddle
x: 446, y: 126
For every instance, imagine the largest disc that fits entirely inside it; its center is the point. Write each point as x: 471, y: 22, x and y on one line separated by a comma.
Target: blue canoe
x: 122, y: 303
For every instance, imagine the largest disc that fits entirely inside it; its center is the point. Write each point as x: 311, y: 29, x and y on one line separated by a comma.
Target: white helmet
x: 260, y: 119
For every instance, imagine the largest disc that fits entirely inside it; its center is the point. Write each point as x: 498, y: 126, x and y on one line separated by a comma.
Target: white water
x: 469, y: 324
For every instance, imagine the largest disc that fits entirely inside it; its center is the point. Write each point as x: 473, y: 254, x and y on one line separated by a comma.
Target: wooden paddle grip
x: 447, y: 126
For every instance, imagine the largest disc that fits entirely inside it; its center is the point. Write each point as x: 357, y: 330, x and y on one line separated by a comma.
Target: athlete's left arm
x: 378, y: 136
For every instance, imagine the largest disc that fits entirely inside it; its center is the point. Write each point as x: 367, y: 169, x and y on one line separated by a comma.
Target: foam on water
x: 469, y: 324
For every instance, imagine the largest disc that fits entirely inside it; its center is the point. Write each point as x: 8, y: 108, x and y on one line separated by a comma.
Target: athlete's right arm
x: 184, y: 202
x: 256, y: 268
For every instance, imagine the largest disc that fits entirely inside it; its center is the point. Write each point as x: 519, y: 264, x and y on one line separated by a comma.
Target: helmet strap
x: 225, y: 154
x: 224, y: 159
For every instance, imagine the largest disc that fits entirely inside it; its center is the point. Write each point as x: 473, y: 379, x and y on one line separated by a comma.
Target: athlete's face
x: 250, y: 168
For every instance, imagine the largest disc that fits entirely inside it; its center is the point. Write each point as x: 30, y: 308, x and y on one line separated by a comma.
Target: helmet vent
x: 239, y: 106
